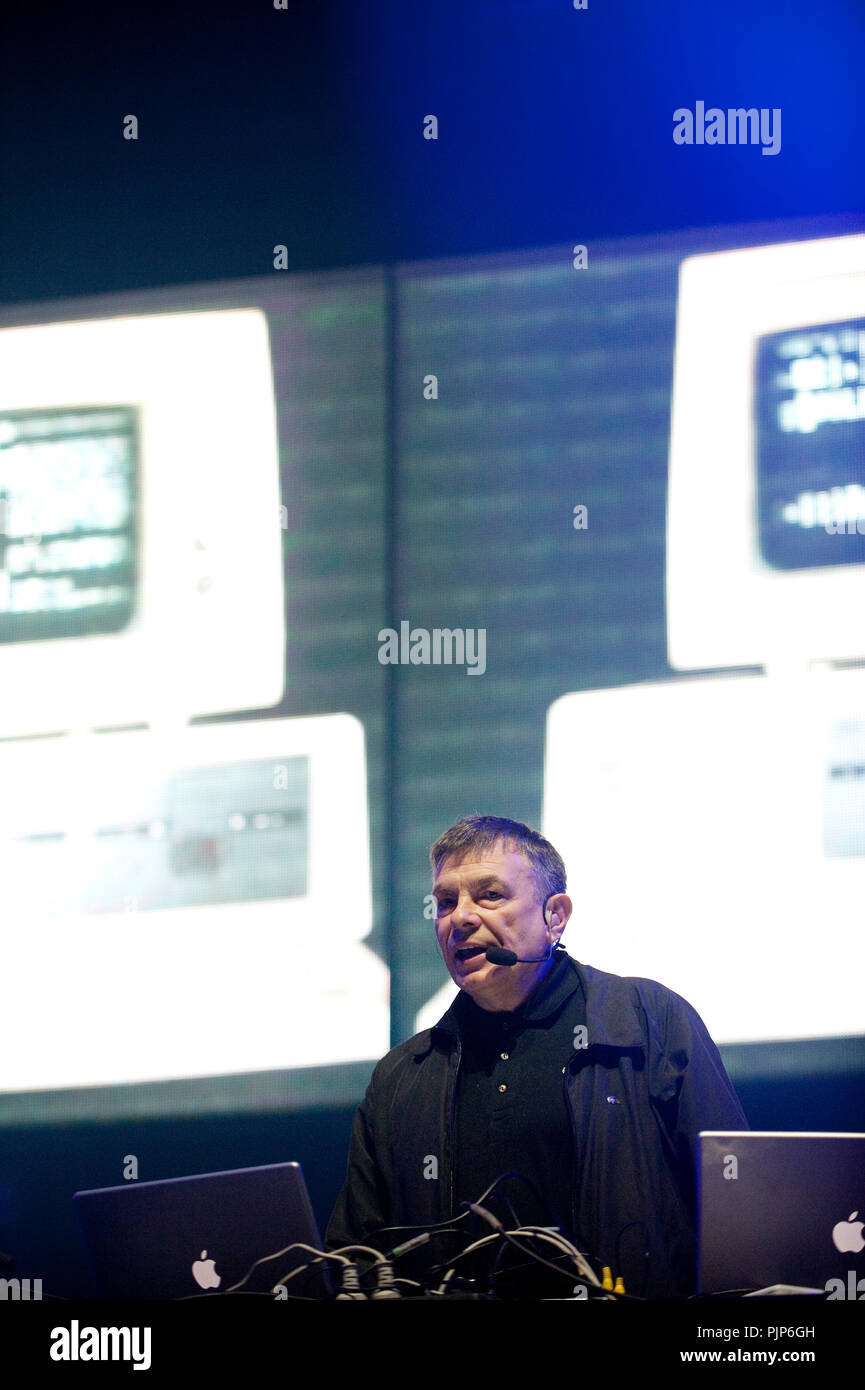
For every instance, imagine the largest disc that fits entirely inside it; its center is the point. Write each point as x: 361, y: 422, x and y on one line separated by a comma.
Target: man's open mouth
x: 468, y: 951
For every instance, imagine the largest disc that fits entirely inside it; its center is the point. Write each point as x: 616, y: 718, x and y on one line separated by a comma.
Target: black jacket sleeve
x: 362, y: 1204
x: 690, y: 1087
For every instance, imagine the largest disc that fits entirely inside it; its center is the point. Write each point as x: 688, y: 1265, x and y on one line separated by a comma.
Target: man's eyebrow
x: 483, y: 882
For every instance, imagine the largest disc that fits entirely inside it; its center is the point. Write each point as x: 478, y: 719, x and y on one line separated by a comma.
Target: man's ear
x: 558, y: 910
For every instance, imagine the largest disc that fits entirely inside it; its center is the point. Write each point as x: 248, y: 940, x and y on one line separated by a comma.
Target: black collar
x: 611, y: 1010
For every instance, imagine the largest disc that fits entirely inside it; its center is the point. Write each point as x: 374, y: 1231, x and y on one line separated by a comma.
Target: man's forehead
x: 499, y: 862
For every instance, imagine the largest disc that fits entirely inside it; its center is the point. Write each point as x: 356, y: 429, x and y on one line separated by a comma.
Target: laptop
x: 198, y: 1236
x: 781, y: 1209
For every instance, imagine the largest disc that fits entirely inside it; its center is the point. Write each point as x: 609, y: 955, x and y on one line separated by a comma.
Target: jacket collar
x: 611, y: 1016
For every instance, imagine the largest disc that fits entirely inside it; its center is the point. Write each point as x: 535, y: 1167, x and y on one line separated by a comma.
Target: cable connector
x: 386, y: 1287
x: 485, y: 1215
x: 399, y: 1250
x: 350, y: 1288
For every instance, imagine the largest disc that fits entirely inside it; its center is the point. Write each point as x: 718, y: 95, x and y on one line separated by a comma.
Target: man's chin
x: 473, y: 974
x: 481, y: 981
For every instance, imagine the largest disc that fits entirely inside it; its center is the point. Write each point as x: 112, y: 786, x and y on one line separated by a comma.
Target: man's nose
x: 464, y: 915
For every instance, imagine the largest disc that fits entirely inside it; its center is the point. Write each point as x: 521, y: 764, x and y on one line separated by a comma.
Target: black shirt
x: 511, y: 1108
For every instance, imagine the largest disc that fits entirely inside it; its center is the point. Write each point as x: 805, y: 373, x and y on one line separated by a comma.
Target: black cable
x: 530, y: 1182
x: 421, y: 1226
x: 511, y: 1239
x: 554, y: 1220
x: 450, y: 1227
x: 568, y: 1273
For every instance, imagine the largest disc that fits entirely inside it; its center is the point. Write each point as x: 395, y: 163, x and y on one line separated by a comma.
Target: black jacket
x: 649, y: 1080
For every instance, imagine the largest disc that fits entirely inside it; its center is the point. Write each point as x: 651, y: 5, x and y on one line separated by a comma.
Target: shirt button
x: 503, y: 1088
x: 504, y: 1056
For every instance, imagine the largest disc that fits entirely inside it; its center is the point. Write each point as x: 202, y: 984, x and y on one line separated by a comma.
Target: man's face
x: 490, y: 901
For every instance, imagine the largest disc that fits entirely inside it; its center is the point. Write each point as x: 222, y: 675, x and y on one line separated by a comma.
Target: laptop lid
x: 781, y: 1208
x: 199, y: 1235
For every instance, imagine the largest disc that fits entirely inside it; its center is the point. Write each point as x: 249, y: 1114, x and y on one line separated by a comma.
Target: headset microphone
x: 497, y: 955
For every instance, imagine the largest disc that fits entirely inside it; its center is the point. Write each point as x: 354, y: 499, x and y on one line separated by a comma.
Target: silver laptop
x: 199, y: 1236
x: 781, y: 1208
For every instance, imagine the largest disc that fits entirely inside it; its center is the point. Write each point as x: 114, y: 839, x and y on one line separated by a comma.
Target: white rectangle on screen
x: 140, y: 540
x: 713, y: 831
x: 767, y: 446
x: 188, y: 904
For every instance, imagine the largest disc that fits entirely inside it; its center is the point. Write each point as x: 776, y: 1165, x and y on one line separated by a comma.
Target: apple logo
x: 847, y: 1235
x: 205, y: 1275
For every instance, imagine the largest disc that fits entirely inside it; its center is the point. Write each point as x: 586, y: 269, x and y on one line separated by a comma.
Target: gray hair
x: 479, y: 833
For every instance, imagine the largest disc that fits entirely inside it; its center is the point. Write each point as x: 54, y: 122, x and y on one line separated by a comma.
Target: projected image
x: 711, y: 829
x: 767, y: 457
x: 222, y: 834
x: 130, y: 545
x: 68, y: 562
x: 186, y: 904
x: 810, y: 445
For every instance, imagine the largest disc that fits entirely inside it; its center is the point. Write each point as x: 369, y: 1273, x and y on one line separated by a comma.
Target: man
x: 593, y: 1086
